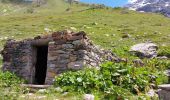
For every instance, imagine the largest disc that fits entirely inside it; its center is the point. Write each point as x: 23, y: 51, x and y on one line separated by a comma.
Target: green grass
x: 110, y: 25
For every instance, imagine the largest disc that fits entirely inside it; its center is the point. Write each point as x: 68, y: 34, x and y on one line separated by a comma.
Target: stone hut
x: 40, y: 59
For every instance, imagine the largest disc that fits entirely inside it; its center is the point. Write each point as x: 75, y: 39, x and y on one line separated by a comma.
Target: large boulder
x: 145, y: 50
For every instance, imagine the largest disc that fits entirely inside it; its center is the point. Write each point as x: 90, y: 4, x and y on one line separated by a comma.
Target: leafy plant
x: 9, y: 86
x: 125, y: 76
x: 8, y: 79
x: 111, y: 79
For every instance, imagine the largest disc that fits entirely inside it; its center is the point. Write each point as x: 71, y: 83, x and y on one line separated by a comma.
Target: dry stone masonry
x: 66, y: 50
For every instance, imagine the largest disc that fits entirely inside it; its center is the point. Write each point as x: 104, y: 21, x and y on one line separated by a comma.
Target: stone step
x: 164, y: 92
x: 164, y: 87
x: 35, y: 86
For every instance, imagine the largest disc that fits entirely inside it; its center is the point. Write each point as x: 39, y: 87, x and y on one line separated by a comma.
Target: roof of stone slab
x: 58, y: 36
x: 64, y: 35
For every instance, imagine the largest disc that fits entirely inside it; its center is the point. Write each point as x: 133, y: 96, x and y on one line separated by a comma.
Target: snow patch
x: 132, y: 1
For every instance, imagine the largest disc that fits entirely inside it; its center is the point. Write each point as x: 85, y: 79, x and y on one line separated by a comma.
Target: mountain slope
x: 107, y: 29
x: 159, y: 6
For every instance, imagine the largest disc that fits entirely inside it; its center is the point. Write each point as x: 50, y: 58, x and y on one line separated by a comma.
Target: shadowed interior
x: 41, y: 65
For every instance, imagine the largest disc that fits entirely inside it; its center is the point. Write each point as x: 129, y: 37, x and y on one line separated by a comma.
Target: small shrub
x: 8, y: 79
x: 9, y: 86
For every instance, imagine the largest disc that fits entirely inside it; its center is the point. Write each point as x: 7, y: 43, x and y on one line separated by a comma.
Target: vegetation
x: 107, y: 27
x: 14, y: 1
x: 118, y: 80
x: 9, y: 86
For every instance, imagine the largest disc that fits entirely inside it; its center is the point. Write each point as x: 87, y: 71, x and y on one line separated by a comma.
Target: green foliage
x: 111, y: 79
x: 8, y: 79
x: 79, y: 81
x: 13, y: 1
x: 88, y: 81
x: 9, y: 86
x: 125, y: 76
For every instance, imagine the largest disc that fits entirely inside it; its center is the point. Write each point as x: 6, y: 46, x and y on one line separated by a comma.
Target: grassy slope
x: 110, y: 25
x: 104, y: 26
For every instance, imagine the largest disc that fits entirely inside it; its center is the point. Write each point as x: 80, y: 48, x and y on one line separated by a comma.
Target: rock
x: 30, y: 94
x: 164, y: 91
x: 76, y: 65
x: 167, y: 72
x: 88, y: 97
x: 142, y: 50
x: 124, y: 60
x: 151, y: 93
x: 58, y: 89
x: 162, y: 57
x: 126, y: 36
x: 67, y: 46
x: 65, y: 93
x: 153, y: 86
x: 42, y: 90
x: 73, y: 58
x: 60, y: 52
x: 138, y: 62
x: 77, y: 42
x: 110, y: 56
x: 40, y: 97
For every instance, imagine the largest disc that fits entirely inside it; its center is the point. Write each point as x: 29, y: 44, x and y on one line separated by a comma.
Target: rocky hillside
x: 159, y: 6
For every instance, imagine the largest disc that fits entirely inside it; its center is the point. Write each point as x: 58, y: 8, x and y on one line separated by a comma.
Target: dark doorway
x: 41, y: 65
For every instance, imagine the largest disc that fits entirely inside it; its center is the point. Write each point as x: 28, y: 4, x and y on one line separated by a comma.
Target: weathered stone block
x: 76, y: 65
x: 52, y: 66
x: 73, y: 58
x: 67, y: 46
x: 51, y: 74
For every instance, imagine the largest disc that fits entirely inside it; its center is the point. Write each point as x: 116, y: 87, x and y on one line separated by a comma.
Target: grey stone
x: 162, y: 57
x: 60, y: 51
x: 151, y: 93
x: 94, y: 64
x: 73, y: 58
x: 77, y: 42
x: 148, y: 50
x: 164, y: 87
x: 52, y: 65
x: 42, y: 91
x: 76, y: 65
x: 52, y: 58
x: 67, y: 46
x: 88, y: 97
x: 164, y: 91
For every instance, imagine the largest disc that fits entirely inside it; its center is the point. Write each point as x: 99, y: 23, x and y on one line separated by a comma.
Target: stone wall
x: 66, y: 51
x: 17, y: 58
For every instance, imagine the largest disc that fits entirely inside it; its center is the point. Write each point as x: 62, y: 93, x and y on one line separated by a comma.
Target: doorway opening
x: 41, y: 64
